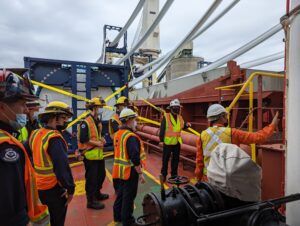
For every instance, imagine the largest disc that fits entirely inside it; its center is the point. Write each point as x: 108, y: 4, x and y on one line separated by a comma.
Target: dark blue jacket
x: 59, y: 155
x: 13, y: 205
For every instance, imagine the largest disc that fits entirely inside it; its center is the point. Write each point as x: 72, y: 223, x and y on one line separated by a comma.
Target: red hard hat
x: 15, y: 86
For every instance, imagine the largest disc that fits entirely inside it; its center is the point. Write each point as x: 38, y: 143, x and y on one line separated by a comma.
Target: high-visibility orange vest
x: 210, y: 139
x: 91, y: 152
x: 39, y: 142
x: 38, y: 213
x: 122, y: 164
x: 173, y: 129
x: 116, y: 118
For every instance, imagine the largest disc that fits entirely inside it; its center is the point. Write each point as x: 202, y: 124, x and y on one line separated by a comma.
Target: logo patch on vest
x: 10, y: 155
x: 83, y: 126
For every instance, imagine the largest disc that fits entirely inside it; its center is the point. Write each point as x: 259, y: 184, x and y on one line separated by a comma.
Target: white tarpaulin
x: 232, y: 171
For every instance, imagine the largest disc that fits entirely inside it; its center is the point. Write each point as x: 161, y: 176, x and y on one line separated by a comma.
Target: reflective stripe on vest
x: 23, y: 134
x: 173, y: 129
x: 210, y: 138
x: 122, y: 164
x: 115, y: 117
x: 39, y: 142
x: 37, y: 212
x: 94, y: 133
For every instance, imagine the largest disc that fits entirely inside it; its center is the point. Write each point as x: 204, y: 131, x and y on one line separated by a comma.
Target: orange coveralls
x: 237, y: 137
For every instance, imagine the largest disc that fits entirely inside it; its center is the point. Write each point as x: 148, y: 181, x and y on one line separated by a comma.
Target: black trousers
x: 116, y: 184
x: 94, y: 176
x: 123, y: 206
x: 56, y: 204
x: 167, y: 151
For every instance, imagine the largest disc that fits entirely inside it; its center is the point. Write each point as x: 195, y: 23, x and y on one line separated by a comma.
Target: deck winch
x: 202, y: 204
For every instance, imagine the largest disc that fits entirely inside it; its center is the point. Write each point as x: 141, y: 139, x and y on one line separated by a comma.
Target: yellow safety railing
x: 244, y: 85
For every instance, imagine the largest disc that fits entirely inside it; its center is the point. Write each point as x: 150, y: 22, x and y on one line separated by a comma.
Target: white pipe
x: 199, y: 24
x: 212, y: 22
x: 129, y: 22
x: 137, y: 32
x: 101, y: 58
x: 237, y: 52
x: 293, y: 119
x: 263, y: 60
x: 148, y: 32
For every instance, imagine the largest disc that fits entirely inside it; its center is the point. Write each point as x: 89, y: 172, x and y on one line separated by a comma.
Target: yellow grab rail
x: 249, y: 83
x: 251, y: 91
x: 229, y: 86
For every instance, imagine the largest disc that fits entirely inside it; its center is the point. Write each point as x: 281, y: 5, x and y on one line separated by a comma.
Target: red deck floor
x: 79, y: 215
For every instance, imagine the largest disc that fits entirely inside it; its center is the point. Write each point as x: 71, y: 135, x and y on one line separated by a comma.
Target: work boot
x: 101, y: 196
x: 94, y: 204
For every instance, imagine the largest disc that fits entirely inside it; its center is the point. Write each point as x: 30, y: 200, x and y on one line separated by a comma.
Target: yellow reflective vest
x: 122, y: 164
x: 173, y: 129
x: 23, y: 134
x: 115, y: 117
x: 210, y: 138
x: 94, y: 133
x: 38, y: 213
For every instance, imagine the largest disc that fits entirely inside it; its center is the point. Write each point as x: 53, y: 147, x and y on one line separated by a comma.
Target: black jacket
x: 13, y: 205
x: 59, y: 156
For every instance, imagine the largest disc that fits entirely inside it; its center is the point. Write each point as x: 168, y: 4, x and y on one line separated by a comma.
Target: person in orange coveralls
x: 218, y: 133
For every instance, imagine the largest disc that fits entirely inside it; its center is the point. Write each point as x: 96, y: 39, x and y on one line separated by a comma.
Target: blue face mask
x: 20, y: 122
x: 100, y: 111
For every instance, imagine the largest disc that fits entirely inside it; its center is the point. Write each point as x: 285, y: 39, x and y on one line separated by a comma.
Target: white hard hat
x: 127, y: 113
x: 232, y: 171
x: 175, y: 103
x: 215, y: 110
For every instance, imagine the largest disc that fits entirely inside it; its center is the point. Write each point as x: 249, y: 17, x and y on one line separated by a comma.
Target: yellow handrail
x: 249, y: 83
x: 229, y: 86
x: 251, y: 91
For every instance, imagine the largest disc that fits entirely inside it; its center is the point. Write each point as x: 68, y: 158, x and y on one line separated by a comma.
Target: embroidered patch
x: 83, y: 126
x: 10, y: 155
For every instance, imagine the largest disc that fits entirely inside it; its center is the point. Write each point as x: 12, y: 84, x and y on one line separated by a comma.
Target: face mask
x: 21, y: 120
x: 35, y: 116
x: 100, y: 111
x: 62, y: 127
x: 175, y: 111
x: 134, y: 125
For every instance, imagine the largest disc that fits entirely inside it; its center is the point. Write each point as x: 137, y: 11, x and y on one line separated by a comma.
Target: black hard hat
x: 15, y: 86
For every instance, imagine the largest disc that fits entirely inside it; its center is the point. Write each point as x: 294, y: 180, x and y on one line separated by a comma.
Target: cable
x: 148, y: 32
x: 129, y: 22
x: 198, y: 25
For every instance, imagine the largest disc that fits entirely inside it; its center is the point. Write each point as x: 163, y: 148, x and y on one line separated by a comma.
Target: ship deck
x: 79, y: 215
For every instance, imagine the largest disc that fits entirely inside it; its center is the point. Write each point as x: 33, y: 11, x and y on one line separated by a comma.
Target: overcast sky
x: 72, y: 29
